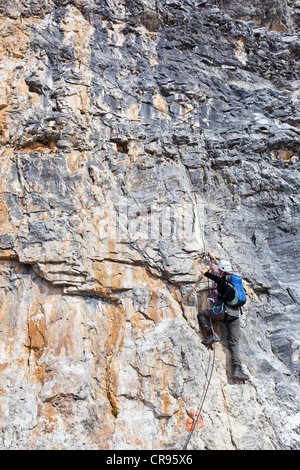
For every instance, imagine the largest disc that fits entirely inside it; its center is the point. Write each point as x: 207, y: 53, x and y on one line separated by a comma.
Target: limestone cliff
x: 136, y: 136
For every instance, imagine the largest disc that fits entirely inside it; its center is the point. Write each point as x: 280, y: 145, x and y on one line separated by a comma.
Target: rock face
x: 135, y: 137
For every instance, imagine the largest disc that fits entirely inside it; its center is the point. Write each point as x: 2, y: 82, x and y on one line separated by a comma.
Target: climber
x: 222, y: 312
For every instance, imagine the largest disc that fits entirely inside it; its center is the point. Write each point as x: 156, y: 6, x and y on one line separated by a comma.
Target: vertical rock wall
x: 136, y: 136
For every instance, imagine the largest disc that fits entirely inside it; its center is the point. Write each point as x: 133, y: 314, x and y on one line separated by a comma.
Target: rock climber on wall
x: 226, y: 309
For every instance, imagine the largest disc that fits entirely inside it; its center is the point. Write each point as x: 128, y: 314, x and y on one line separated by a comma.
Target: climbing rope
x: 209, y: 373
x: 205, y: 390
x: 213, y: 271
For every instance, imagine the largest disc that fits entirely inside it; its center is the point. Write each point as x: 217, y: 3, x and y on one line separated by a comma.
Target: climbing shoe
x: 239, y: 374
x: 211, y: 339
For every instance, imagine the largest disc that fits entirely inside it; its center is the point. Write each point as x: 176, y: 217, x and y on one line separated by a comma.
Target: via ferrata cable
x: 208, y: 378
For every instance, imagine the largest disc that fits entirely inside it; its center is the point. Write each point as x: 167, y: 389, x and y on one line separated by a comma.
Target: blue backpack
x: 235, y: 283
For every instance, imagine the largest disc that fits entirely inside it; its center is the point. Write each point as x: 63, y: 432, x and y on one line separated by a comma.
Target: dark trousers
x: 230, y: 318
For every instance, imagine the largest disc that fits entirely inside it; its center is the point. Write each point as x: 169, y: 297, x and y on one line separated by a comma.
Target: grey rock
x: 135, y: 137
